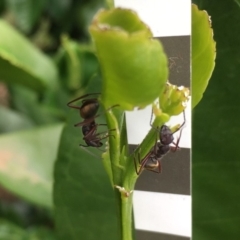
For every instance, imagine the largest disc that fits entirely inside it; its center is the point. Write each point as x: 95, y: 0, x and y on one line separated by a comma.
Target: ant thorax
x: 166, y: 135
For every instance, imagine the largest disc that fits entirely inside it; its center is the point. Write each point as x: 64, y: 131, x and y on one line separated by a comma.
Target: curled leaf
x: 133, y: 65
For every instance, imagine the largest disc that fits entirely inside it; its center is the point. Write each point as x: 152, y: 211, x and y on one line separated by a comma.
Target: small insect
x: 152, y: 161
x: 87, y: 110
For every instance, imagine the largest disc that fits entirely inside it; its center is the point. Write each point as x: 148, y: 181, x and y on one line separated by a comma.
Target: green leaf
x: 27, y: 102
x: 133, y: 66
x: 27, y: 163
x: 9, y: 231
x: 215, y: 153
x: 83, y: 197
x: 77, y: 64
x: 60, y: 9
x: 22, y: 63
x: 40, y: 233
x: 26, y: 12
x: 238, y: 2
x: 13, y: 120
x: 203, y: 53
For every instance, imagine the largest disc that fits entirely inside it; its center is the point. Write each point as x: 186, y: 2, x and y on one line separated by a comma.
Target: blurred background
x: 45, y: 61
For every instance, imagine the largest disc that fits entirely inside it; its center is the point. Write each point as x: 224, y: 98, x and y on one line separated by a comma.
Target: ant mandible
x: 88, y: 111
x: 152, y: 161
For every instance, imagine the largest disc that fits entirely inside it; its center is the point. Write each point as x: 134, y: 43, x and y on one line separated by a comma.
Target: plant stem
x: 124, y: 202
x: 114, y: 144
x: 127, y: 223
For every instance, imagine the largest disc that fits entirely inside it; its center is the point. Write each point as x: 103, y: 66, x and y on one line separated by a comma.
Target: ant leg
x: 95, y: 135
x: 151, y: 118
x: 143, y: 162
x: 94, y: 138
x: 108, y: 109
x: 155, y: 145
x: 85, y: 122
x: 184, y: 121
x: 76, y: 99
x: 108, y: 135
x: 174, y: 149
x: 102, y: 124
x: 135, y: 164
x: 116, y: 105
x: 83, y: 147
x: 156, y: 128
x: 159, y: 167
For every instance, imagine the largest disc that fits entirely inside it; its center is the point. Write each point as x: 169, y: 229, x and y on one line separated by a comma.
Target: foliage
x: 43, y: 65
x: 41, y: 68
x: 203, y: 53
x: 71, y: 169
x: 215, y: 155
x: 38, y: 95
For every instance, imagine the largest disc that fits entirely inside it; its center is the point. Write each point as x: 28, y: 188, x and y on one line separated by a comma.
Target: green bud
x: 174, y: 99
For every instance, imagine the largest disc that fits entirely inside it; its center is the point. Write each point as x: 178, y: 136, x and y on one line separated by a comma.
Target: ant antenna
x: 84, y: 148
x: 184, y: 121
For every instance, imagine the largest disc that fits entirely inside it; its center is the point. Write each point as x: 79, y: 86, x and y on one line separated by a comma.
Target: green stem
x: 114, y: 146
x: 124, y: 177
x: 124, y: 202
x: 127, y: 224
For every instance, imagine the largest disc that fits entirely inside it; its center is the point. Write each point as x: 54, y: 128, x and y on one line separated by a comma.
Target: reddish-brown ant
x: 88, y: 111
x: 152, y: 161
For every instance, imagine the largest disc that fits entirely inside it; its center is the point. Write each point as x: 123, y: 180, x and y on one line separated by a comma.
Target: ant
x: 152, y: 161
x: 88, y: 111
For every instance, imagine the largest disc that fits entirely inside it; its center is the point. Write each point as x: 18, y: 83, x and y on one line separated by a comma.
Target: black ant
x: 152, y: 161
x: 88, y: 111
